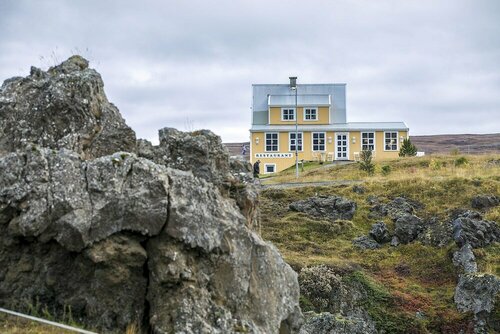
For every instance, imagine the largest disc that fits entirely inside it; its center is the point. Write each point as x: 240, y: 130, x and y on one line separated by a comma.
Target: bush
x: 407, y: 149
x: 435, y: 164
x: 462, y: 161
x: 386, y: 169
x: 366, y: 163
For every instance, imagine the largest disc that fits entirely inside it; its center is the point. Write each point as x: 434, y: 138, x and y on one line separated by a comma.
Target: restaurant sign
x: 273, y: 155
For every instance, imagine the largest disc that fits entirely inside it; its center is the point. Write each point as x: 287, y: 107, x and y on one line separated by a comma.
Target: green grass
x: 428, y: 279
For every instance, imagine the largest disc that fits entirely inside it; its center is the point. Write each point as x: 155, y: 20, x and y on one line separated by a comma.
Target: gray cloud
x: 432, y: 64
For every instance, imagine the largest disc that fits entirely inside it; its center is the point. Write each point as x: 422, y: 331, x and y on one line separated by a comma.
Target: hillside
x: 408, y: 288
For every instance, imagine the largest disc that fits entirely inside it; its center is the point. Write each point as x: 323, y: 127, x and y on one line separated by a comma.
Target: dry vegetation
x: 414, y: 277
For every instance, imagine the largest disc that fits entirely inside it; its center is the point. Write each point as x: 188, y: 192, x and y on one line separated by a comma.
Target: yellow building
x: 313, y: 117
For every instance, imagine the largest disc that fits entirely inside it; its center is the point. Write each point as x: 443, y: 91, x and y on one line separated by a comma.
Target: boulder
x: 358, y: 189
x: 326, y: 207
x: 408, y: 227
x: 470, y: 227
x: 436, y: 233
x: 482, y: 202
x: 125, y: 239
x: 65, y: 107
x: 399, y: 206
x: 476, y: 293
x: 365, y: 242
x: 327, y: 323
x: 380, y: 233
x: 465, y: 260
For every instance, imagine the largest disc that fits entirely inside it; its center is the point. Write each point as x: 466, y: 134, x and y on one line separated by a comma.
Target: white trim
x: 288, y: 108
x: 269, y: 164
x: 397, y: 141
x: 347, y: 144
x: 374, y: 140
x: 251, y: 144
x: 312, y: 141
x: 265, y: 141
x: 290, y: 140
x: 311, y: 108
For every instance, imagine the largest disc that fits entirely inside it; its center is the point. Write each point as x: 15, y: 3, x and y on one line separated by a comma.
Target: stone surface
x: 465, y: 260
x: 64, y: 107
x: 380, y: 233
x: 125, y: 238
x: 365, y: 242
x: 482, y: 202
x: 327, y: 207
x: 394, y: 209
x: 476, y: 293
x: 470, y: 227
x: 407, y: 228
x: 341, y: 299
x: 327, y: 323
x: 436, y: 233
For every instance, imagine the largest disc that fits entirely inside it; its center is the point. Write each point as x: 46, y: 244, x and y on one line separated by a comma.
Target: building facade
x: 323, y: 132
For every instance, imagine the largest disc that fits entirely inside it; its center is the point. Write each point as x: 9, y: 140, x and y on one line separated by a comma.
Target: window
x: 269, y: 168
x: 368, y: 141
x: 391, y: 141
x: 310, y: 114
x: 288, y: 114
x: 292, y: 141
x: 318, y: 141
x: 272, y: 142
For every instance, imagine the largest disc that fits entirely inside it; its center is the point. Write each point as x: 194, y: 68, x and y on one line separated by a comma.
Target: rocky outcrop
x: 465, y: 260
x: 327, y: 323
x: 408, y: 227
x: 127, y: 239
x: 482, y: 202
x: 470, y: 227
x: 64, y: 107
x: 476, y: 293
x: 326, y: 207
x: 399, y: 206
x: 338, y: 301
x: 380, y: 233
x: 365, y: 242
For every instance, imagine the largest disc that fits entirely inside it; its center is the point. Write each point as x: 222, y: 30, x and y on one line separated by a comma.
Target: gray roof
x: 302, y: 100
x: 261, y: 92
x: 352, y: 126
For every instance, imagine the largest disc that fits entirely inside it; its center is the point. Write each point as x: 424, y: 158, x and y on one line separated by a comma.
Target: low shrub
x: 462, y: 161
x: 386, y: 170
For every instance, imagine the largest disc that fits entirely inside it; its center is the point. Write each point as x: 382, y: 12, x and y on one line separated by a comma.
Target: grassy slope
x: 428, y: 280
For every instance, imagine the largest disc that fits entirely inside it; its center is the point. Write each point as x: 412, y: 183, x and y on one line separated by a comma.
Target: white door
x: 342, y: 146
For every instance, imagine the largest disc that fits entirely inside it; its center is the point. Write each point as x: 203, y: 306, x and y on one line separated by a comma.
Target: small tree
x: 407, y: 149
x: 366, y: 163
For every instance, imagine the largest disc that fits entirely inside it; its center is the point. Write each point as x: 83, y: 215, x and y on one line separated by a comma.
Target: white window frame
x: 269, y: 164
x: 301, y: 135
x: 265, y: 141
x: 348, y: 146
x: 316, y: 113
x: 324, y: 142
x: 288, y: 120
x: 397, y: 141
x: 374, y: 136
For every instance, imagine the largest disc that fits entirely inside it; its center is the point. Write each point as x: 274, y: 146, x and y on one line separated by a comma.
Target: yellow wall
x: 307, y: 154
x: 275, y: 116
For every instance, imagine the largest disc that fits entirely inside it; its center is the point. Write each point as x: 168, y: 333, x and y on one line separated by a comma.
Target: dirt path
x: 309, y: 184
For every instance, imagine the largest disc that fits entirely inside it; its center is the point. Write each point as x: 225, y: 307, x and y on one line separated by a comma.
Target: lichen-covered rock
x: 365, y: 242
x: 470, y: 227
x: 64, y: 107
x: 436, y: 233
x: 341, y: 297
x: 380, y: 233
x: 399, y: 206
x: 476, y: 293
x: 482, y: 202
x: 327, y: 207
x: 327, y: 323
x: 465, y: 260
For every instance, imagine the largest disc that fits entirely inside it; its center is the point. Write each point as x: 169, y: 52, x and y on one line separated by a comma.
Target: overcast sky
x: 190, y: 64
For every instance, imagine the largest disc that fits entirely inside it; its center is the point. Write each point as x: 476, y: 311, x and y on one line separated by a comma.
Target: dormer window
x: 288, y: 114
x: 310, y: 114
